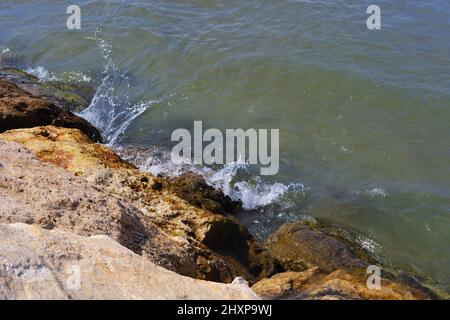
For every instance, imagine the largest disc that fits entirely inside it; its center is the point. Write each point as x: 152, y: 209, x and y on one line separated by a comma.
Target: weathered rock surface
x: 72, y: 96
x: 19, y: 109
x: 220, y: 248
x: 297, y: 246
x: 42, y: 264
x: 338, y: 285
x: 38, y: 193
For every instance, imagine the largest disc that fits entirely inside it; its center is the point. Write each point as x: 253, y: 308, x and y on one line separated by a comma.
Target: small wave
x: 5, y: 54
x: 5, y: 51
x: 375, y: 192
x: 263, y: 194
x: 252, y: 191
x: 70, y: 76
x: 234, y: 179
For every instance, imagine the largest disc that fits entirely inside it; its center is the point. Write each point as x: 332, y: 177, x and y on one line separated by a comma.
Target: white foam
x: 108, y: 112
x: 4, y: 51
x: 376, y: 192
x: 234, y: 179
x: 70, y: 76
x: 40, y: 72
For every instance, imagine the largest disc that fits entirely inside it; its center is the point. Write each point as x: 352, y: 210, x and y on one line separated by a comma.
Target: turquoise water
x: 364, y: 116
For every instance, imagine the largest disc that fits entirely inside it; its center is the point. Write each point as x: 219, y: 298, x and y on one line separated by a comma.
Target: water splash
x: 234, y: 179
x: 110, y: 113
x: 4, y: 50
x: 5, y: 53
x: 375, y: 192
x: 40, y: 72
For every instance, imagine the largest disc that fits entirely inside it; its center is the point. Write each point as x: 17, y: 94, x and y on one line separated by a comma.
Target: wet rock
x: 193, y: 188
x: 19, y: 109
x: 73, y: 97
x: 41, y: 264
x: 314, y: 284
x: 221, y: 248
x: 298, y: 246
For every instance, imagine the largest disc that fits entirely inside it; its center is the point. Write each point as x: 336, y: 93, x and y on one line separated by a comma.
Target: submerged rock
x: 314, y: 284
x: 70, y: 96
x: 221, y: 249
x: 20, y: 109
x: 42, y: 264
x: 319, y: 265
x: 297, y: 246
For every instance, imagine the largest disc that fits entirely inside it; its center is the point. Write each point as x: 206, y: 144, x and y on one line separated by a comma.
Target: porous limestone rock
x: 41, y: 264
x: 39, y: 193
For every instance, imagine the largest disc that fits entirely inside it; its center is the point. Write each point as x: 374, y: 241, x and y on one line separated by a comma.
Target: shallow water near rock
x: 363, y: 116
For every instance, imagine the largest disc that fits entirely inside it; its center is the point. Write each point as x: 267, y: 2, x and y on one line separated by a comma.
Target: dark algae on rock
x: 20, y: 109
x: 71, y: 96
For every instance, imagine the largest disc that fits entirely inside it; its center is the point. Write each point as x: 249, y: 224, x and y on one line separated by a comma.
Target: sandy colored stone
x: 40, y: 264
x: 35, y: 192
x: 283, y: 284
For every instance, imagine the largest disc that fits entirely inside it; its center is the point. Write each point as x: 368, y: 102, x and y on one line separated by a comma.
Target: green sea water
x: 364, y: 115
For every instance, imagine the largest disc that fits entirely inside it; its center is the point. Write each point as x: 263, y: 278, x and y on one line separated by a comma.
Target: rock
x: 67, y: 148
x: 19, y: 109
x: 193, y: 188
x: 221, y: 248
x: 338, y: 285
x: 39, y: 193
x: 297, y: 246
x: 239, y: 281
x: 74, y: 97
x: 42, y: 264
x: 283, y: 285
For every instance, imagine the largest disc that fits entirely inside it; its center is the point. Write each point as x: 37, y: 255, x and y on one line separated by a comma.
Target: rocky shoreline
x: 70, y: 202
